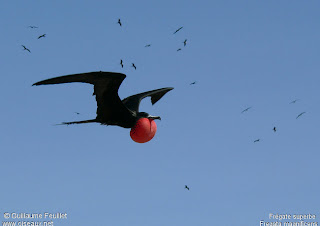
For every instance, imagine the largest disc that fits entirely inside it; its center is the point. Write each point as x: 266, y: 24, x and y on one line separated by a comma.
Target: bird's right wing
x: 133, y: 102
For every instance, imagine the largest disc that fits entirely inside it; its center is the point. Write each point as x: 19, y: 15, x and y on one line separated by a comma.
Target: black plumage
x: 25, y: 48
x: 42, y: 36
x: 111, y: 110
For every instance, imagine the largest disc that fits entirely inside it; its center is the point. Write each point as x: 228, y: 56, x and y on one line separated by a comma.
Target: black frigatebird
x: 294, y: 101
x: 257, y: 140
x: 185, y: 42
x: 148, y: 45
x: 121, y: 62
x: 193, y: 83
x: 247, y: 109
x: 25, y: 48
x: 186, y: 187
x: 274, y: 129
x: 119, y: 22
x: 178, y: 30
x: 178, y: 49
x: 300, y: 114
x: 135, y: 68
x: 33, y: 27
x: 111, y: 110
x: 42, y: 36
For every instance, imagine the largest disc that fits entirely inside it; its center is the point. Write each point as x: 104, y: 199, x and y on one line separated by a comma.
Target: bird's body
x: 247, y: 109
x: 186, y: 187
x: 121, y: 62
x: 274, y: 129
x: 148, y: 45
x: 111, y: 110
x: 42, y: 36
x: 257, y: 140
x: 33, y: 27
x: 177, y: 30
x: 300, y: 115
x: 134, y: 66
x: 25, y: 48
x: 119, y: 22
x: 193, y: 83
x: 178, y: 49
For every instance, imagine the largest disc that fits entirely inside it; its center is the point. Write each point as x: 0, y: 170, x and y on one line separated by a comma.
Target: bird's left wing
x: 106, y: 84
x: 133, y: 102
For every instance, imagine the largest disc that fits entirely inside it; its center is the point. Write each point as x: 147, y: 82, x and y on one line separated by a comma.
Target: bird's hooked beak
x: 154, y: 117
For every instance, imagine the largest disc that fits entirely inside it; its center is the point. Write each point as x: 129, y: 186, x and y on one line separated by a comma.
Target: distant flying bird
x: 193, y: 83
x: 135, y: 68
x: 185, y: 42
x: 25, y: 48
x: 178, y: 49
x: 42, y: 36
x: 300, y: 114
x: 148, y: 45
x: 186, y: 187
x: 293, y: 102
x: 121, y: 62
x: 245, y: 110
x: 119, y: 22
x: 33, y: 27
x: 256, y: 141
x: 111, y: 110
x: 178, y: 30
x: 274, y: 129
x: 77, y: 113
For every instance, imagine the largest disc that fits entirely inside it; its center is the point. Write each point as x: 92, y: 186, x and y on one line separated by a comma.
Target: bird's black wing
x: 133, y: 102
x: 110, y: 109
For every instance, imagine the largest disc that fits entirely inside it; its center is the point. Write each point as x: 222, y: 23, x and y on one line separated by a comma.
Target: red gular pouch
x: 144, y: 130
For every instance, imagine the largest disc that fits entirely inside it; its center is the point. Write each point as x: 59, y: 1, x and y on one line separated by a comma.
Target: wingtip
x: 36, y: 84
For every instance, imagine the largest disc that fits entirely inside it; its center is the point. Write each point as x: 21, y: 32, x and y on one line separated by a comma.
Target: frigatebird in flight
x: 193, y: 83
x: 25, y: 48
x: 178, y: 49
x: 119, y: 22
x: 300, y: 114
x: 274, y: 129
x: 294, y: 101
x: 257, y: 140
x: 247, y: 109
x: 186, y: 187
x: 135, y: 68
x: 185, y: 42
x: 148, y: 45
x: 111, y: 110
x: 33, y: 27
x: 42, y: 36
x: 178, y: 30
x: 121, y: 62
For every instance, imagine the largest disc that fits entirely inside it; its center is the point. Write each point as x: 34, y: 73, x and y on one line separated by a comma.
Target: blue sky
x: 259, y: 54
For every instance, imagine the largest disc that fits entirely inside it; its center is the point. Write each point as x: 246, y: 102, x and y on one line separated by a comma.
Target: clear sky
x: 258, y: 54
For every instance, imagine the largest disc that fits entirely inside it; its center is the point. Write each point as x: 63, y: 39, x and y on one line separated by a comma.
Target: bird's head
x: 145, y: 127
x: 148, y: 116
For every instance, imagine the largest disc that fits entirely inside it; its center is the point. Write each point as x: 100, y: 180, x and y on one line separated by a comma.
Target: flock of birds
x: 275, y: 128
x: 121, y: 61
x: 193, y: 83
x: 72, y: 78
x: 40, y: 36
x: 149, y: 45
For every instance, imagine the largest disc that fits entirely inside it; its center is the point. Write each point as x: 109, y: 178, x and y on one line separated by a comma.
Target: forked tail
x: 78, y: 122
